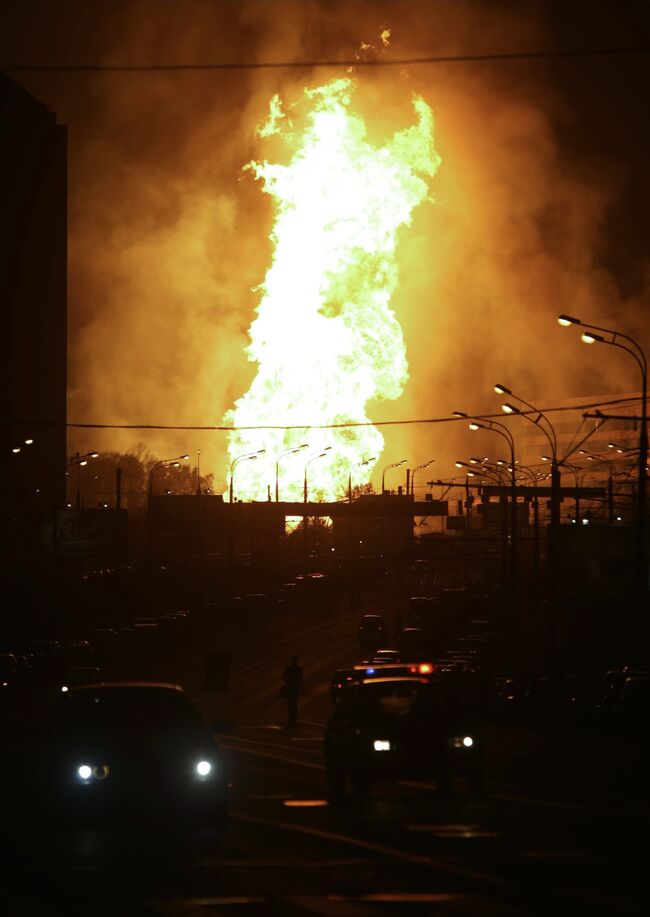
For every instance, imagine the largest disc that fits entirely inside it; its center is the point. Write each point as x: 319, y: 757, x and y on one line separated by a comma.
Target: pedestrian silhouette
x: 224, y: 659
x: 211, y: 666
x: 292, y: 689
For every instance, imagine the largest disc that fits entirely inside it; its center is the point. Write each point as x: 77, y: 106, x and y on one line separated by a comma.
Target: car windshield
x: 125, y: 712
x: 397, y: 698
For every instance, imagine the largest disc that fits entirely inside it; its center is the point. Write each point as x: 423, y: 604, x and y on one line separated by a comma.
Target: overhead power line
x: 553, y: 54
x: 630, y: 402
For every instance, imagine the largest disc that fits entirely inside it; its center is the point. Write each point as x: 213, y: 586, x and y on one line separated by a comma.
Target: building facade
x: 33, y: 297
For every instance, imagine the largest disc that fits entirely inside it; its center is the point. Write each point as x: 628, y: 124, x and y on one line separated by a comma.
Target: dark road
x: 404, y: 849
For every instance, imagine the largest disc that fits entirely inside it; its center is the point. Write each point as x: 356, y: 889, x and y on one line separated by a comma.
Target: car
x: 81, y: 675
x: 128, y: 750
x: 9, y: 669
x: 343, y: 678
x: 399, y: 728
x: 384, y: 656
x: 372, y: 631
x: 411, y: 643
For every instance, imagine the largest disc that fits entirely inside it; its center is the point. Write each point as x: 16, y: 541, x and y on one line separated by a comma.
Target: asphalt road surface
x: 404, y: 850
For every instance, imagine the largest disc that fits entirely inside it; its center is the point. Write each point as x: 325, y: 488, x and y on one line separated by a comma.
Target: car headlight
x: 203, y: 768
x: 96, y: 771
x: 381, y: 745
x: 461, y: 742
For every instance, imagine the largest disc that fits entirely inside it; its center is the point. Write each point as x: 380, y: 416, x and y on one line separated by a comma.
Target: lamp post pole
x: 307, y: 464
x: 548, y: 430
x: 291, y: 451
x: 357, y: 465
x: 173, y: 461
x: 415, y: 470
x: 240, y: 458
x: 497, y: 427
x: 387, y: 468
x: 77, y: 460
x: 533, y: 476
x: 600, y: 457
x: 637, y: 353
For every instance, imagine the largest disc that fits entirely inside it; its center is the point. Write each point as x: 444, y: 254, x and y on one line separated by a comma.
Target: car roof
x: 395, y: 679
x: 143, y: 685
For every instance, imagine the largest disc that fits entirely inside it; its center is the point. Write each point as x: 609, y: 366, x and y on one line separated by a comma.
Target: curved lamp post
x: 172, y: 461
x: 416, y: 469
x: 387, y: 468
x: 495, y: 426
x: 357, y: 465
x: 248, y: 456
x: 307, y: 464
x: 637, y: 353
x: 549, y: 432
x: 576, y: 474
x: 79, y: 461
x: 599, y: 457
x: 291, y: 451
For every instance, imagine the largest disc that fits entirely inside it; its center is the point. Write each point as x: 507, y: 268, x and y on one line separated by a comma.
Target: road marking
x: 393, y: 852
x: 555, y: 854
x: 233, y: 744
x: 284, y: 758
x: 569, y: 806
x: 401, y: 897
x: 455, y: 831
x: 305, y: 803
x: 231, y: 899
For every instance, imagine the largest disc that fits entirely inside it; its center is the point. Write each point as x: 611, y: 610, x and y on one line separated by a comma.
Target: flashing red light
x: 424, y: 668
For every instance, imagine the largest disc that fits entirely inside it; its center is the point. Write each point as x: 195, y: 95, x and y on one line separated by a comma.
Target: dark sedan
x: 127, y: 750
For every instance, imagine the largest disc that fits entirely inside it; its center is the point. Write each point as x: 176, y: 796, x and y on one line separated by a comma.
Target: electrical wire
x: 553, y: 54
x: 630, y: 402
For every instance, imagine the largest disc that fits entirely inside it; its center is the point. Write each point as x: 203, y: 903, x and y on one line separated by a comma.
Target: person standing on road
x: 292, y: 689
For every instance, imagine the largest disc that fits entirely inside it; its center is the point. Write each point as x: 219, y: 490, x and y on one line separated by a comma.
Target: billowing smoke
x: 168, y: 236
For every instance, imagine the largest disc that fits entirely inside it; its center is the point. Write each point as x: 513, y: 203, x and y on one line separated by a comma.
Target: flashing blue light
x: 370, y: 671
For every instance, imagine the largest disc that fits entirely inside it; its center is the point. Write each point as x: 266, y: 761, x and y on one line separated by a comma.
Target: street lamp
x: 357, y: 465
x: 600, y: 457
x: 291, y: 451
x: 637, y: 353
x: 565, y: 464
x: 79, y: 461
x: 419, y: 468
x: 307, y: 464
x: 548, y: 430
x: 172, y: 461
x: 497, y: 427
x: 387, y: 468
x: 248, y: 456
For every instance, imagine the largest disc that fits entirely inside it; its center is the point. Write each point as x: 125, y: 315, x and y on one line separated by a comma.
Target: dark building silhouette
x: 33, y: 299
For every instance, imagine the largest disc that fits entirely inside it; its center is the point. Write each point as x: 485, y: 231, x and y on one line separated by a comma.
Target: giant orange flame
x: 325, y: 338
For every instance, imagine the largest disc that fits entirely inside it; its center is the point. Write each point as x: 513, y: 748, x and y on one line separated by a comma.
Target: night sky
x: 541, y: 199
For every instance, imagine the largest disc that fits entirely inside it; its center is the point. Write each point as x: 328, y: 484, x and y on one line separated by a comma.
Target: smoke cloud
x: 168, y: 236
